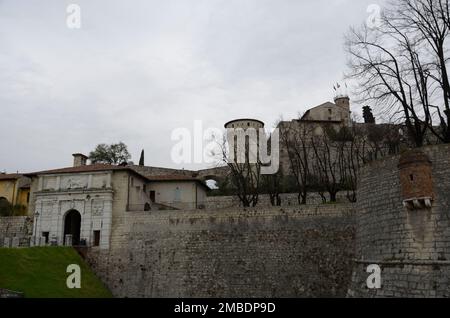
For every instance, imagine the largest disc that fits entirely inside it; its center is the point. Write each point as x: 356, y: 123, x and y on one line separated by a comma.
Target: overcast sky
x: 136, y: 70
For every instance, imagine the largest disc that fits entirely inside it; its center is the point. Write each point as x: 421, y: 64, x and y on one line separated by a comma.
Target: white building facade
x: 77, y: 205
x: 74, y: 209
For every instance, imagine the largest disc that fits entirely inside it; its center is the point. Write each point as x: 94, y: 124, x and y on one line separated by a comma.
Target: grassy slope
x: 41, y: 272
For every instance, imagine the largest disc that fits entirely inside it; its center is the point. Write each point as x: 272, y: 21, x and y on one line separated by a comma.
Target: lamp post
x: 36, y: 216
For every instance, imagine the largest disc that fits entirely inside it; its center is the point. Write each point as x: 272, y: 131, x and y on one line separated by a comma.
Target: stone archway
x: 72, y: 226
x: 212, y: 181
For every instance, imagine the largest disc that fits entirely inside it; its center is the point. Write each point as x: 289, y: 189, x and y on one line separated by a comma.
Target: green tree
x: 5, y: 208
x: 141, y: 160
x: 110, y: 154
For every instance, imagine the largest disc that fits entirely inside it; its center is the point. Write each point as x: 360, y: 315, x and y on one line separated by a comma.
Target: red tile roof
x: 86, y: 168
x: 174, y: 178
x: 106, y: 167
x: 10, y: 176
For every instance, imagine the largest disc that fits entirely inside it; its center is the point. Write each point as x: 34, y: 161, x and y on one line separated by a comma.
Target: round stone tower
x: 343, y: 101
x: 243, y: 139
x: 245, y: 124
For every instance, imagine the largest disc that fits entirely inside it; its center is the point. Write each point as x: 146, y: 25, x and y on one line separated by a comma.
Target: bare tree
x: 401, y: 66
x: 245, y: 177
x: 273, y: 185
x: 326, y: 164
x: 428, y: 21
x: 379, y: 141
x: 380, y: 78
x: 296, y: 139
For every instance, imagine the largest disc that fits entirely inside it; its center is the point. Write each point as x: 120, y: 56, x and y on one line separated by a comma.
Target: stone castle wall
x: 412, y: 246
x: 265, y: 252
x: 287, y: 200
x: 19, y: 227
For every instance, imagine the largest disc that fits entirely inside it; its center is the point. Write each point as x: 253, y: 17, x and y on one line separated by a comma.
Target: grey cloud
x: 138, y: 69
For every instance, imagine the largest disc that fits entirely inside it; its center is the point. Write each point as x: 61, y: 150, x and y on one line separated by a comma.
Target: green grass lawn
x: 41, y: 272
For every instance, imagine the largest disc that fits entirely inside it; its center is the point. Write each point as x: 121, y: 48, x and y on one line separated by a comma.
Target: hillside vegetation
x: 40, y: 272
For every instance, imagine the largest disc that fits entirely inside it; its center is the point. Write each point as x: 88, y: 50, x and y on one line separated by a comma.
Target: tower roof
x: 244, y: 119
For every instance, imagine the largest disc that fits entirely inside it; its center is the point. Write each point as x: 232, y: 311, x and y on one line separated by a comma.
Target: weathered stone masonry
x: 396, y: 230
x: 306, y: 251
x: 265, y: 252
x: 15, y: 231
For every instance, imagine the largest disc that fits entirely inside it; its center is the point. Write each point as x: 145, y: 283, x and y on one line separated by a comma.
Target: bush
x: 7, y: 209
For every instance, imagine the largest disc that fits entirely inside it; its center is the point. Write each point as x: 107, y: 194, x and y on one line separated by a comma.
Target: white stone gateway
x: 7, y: 242
x: 79, y: 201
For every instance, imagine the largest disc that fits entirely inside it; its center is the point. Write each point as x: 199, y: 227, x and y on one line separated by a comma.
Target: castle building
x: 245, y: 124
x: 178, y: 192
x: 328, y: 114
x: 77, y: 205
x: 240, y: 135
x: 335, y: 115
x: 14, y: 190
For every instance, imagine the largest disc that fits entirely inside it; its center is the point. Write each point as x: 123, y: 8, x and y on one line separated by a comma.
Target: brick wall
x: 266, y: 252
x: 416, y: 175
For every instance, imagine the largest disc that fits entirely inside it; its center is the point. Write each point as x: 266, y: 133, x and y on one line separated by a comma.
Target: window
x: 132, y: 181
x: 96, y: 238
x: 28, y: 197
x: 46, y: 236
x: 152, y: 196
x: 144, y: 188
